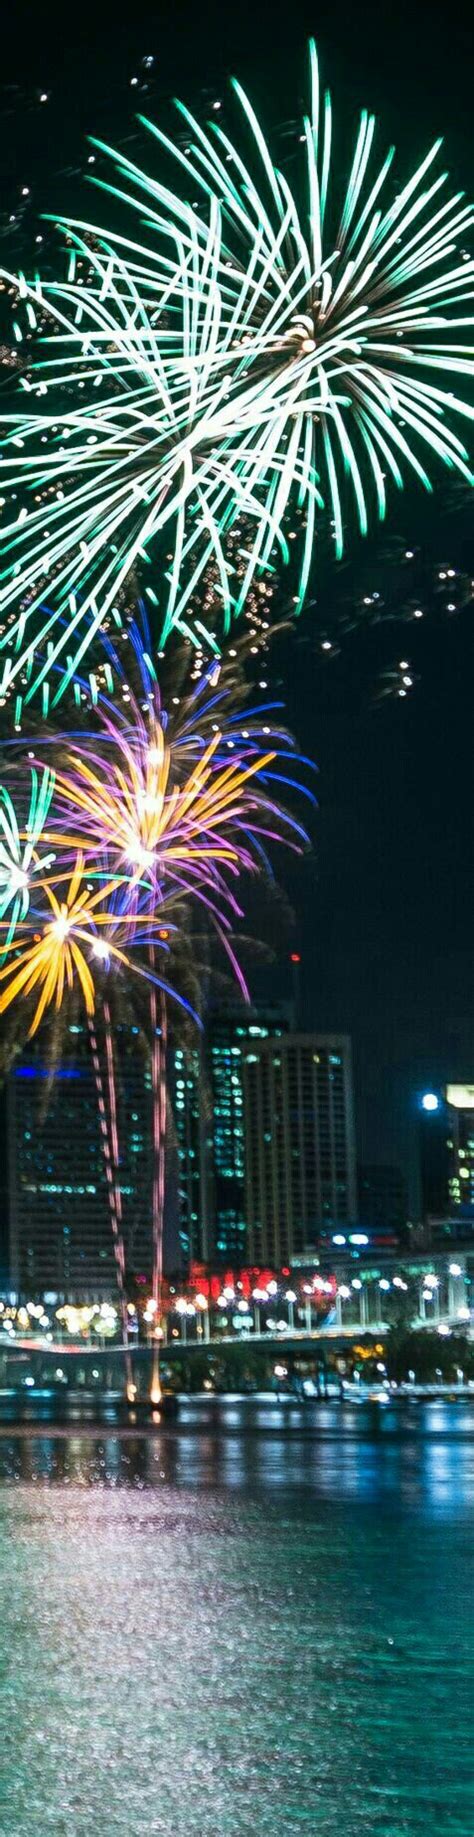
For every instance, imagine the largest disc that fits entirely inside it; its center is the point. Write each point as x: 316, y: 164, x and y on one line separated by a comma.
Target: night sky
x: 384, y: 910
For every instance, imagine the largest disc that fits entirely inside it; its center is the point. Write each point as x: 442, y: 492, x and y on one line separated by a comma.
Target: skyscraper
x: 189, y: 1102
x: 447, y: 1149
x: 382, y: 1196
x: 59, y: 1223
x: 230, y: 1033
x: 300, y: 1147
x: 206, y: 1088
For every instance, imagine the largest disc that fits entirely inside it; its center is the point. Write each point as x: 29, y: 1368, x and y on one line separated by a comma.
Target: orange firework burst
x: 54, y: 960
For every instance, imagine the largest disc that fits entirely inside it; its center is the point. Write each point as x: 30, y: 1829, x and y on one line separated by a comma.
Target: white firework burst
x: 253, y: 357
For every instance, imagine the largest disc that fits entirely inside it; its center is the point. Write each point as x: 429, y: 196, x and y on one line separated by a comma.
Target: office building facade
x: 382, y: 1197
x: 447, y: 1150
x: 59, y: 1221
x: 207, y: 1100
x: 230, y: 1034
x: 189, y: 1103
x: 300, y: 1170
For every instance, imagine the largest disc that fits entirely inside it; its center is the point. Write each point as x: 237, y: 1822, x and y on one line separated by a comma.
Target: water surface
x: 236, y: 1625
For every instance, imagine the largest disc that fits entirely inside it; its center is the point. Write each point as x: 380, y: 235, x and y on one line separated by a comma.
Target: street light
x: 243, y: 1316
x: 343, y: 1294
x: 431, y: 1293
x: 358, y: 1286
x: 202, y: 1304
x: 182, y: 1308
x: 456, y: 1274
x: 308, y: 1291
x: 290, y: 1297
x: 258, y: 1295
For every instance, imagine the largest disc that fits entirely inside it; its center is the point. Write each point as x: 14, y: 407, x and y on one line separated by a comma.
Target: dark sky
x: 385, y: 912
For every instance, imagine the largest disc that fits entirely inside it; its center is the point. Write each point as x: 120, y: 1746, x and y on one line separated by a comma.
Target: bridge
x: 66, y: 1366
x: 60, y: 1368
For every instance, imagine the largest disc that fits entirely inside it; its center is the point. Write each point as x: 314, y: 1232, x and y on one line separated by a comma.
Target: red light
x: 295, y: 957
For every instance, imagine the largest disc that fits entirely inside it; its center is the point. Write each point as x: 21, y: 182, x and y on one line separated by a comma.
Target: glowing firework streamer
x: 237, y: 367
x: 182, y: 817
x: 21, y: 866
x: 159, y: 1099
x: 81, y: 930
x: 55, y: 960
x: 115, y: 1205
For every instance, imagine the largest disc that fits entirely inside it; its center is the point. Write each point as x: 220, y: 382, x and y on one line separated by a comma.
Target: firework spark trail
x: 167, y: 804
x: 155, y: 785
x: 237, y: 368
x: 114, y: 1199
x: 182, y: 834
x: 65, y: 953
x: 48, y: 952
x: 21, y: 866
x: 112, y: 1099
x: 155, y: 815
x: 55, y: 958
x: 159, y: 1103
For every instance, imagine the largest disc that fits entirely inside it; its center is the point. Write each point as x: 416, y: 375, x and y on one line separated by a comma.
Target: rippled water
x: 209, y: 1632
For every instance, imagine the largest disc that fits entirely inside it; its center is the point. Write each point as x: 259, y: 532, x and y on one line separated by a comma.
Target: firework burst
x: 22, y: 866
x: 54, y: 958
x: 257, y: 356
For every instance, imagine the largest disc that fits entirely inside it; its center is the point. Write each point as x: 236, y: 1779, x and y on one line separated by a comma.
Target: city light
x: 430, y: 1101
x: 461, y: 1096
x: 359, y: 1302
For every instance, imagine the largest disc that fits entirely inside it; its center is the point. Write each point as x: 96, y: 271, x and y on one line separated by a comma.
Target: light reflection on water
x: 216, y: 1633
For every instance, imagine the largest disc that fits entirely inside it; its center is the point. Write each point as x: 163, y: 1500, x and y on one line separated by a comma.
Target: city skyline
x: 263, y: 1162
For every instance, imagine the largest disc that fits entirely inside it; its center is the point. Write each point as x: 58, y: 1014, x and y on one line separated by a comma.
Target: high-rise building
x: 300, y: 1145
x: 447, y: 1149
x: 382, y: 1197
x: 229, y: 1034
x: 59, y: 1222
x: 188, y: 1101
x: 206, y: 1089
x: 4, y: 1208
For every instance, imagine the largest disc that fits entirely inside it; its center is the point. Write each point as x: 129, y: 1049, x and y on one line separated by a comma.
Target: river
x: 239, y: 1624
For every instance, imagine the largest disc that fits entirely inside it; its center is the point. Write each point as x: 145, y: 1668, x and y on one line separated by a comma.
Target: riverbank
x: 360, y: 1409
